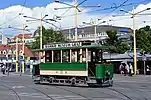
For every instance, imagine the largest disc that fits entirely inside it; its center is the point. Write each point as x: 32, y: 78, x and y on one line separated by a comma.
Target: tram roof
x: 77, y: 47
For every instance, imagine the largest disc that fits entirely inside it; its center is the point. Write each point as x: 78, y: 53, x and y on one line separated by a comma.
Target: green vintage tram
x: 74, y: 63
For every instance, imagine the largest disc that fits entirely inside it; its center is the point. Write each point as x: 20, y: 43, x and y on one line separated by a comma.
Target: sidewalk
x: 16, y: 74
x: 135, y: 78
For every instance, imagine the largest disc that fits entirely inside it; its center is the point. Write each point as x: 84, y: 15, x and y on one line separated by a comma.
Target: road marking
x: 133, y: 81
x: 14, y: 87
x: 54, y: 96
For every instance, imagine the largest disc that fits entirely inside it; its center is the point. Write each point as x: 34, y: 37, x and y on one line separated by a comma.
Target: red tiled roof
x: 26, y: 36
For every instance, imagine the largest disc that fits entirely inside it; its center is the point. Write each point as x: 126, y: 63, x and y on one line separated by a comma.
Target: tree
x: 48, y: 36
x: 143, y: 39
x: 120, y: 44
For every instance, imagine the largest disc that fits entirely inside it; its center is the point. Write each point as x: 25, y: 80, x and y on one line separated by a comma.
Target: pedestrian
x: 127, y: 68
x: 147, y: 70
x: 124, y: 70
x: 130, y: 70
x: 8, y: 68
x: 4, y: 67
x: 121, y: 69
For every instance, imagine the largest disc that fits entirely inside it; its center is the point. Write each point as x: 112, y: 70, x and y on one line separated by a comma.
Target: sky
x: 10, y: 9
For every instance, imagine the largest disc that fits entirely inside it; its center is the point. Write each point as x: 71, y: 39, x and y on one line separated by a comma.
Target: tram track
x: 17, y: 95
x: 70, y: 91
x: 106, y: 94
x: 121, y: 93
x: 42, y: 93
x: 136, y: 90
x: 87, y: 98
x: 19, y: 98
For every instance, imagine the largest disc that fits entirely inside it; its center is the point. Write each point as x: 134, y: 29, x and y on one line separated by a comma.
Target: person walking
x: 4, y: 67
x: 127, y: 68
x: 8, y: 68
x: 121, y: 69
x: 130, y: 70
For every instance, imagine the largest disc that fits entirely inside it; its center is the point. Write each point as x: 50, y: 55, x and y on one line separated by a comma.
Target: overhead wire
x: 25, y: 1
x: 109, y: 8
x: 116, y: 7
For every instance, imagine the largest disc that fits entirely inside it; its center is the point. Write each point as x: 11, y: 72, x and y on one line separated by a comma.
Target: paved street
x: 15, y: 87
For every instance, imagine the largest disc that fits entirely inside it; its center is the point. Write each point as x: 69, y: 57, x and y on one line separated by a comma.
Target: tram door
x: 96, y: 58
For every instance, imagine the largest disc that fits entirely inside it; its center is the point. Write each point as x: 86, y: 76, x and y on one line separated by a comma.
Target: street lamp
x: 95, y: 24
x: 42, y: 19
x: 76, y: 7
x: 133, y: 16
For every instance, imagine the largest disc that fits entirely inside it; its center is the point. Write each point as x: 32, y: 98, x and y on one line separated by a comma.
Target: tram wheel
x: 73, y: 81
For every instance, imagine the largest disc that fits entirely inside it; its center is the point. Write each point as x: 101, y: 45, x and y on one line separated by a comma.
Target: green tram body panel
x: 102, y: 69
x: 64, y: 66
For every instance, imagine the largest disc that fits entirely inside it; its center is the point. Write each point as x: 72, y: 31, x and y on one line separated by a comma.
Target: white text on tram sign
x: 61, y: 45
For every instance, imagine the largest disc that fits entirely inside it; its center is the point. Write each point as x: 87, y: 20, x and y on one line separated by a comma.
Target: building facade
x: 9, y: 49
x: 87, y: 33
x: 27, y: 38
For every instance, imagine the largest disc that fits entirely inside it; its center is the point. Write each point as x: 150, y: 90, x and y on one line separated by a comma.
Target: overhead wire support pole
x: 40, y: 38
x: 134, y: 35
x: 17, y: 53
x: 76, y: 7
x: 40, y: 33
x: 76, y: 28
x: 23, y: 54
x: 76, y: 21
x: 95, y: 24
x: 23, y: 46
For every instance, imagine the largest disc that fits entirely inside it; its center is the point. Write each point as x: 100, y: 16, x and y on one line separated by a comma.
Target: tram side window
x: 57, y: 57
x: 83, y: 56
x: 96, y: 56
x: 73, y: 57
x: 65, y: 56
x: 48, y: 56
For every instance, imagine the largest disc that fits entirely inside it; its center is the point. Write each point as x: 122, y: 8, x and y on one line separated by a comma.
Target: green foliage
x: 120, y: 44
x: 143, y: 39
x: 48, y: 36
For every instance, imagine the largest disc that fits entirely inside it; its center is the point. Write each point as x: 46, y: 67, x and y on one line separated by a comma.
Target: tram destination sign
x: 61, y: 45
